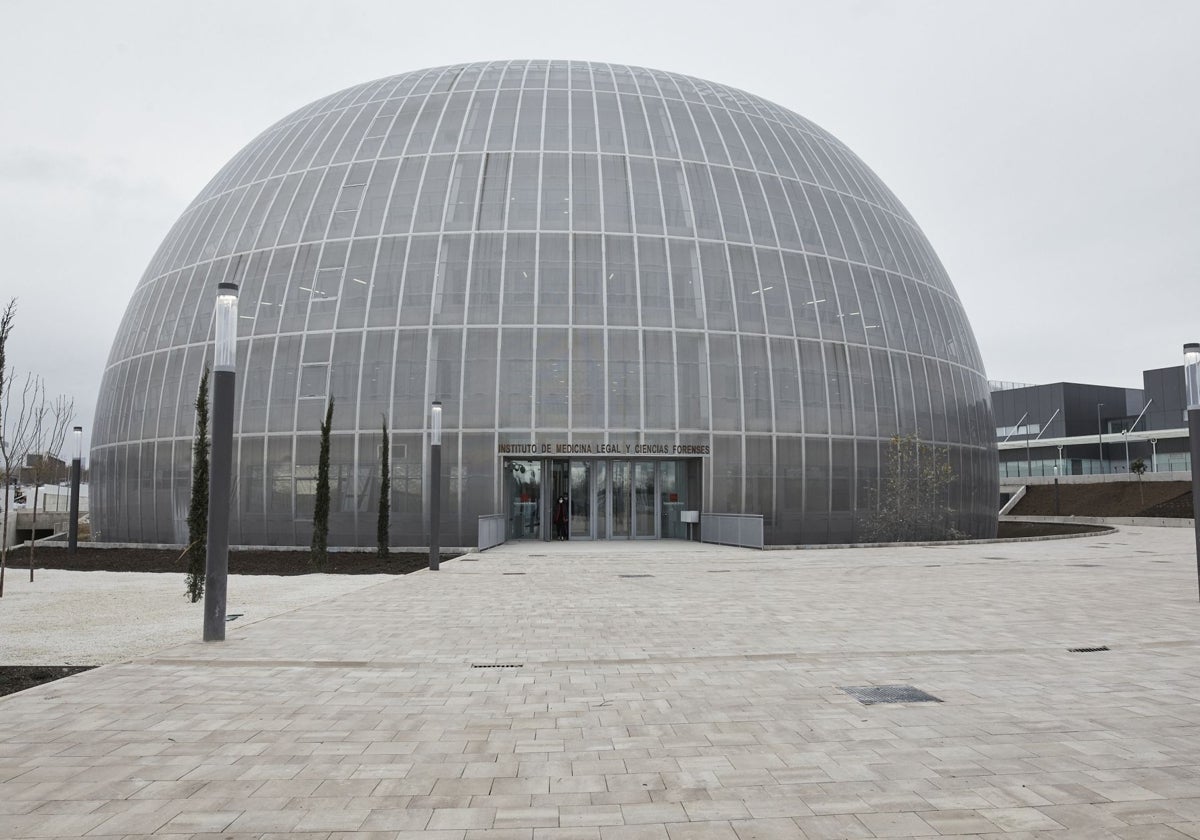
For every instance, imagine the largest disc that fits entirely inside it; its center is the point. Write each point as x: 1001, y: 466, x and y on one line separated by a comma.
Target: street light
x: 216, y: 565
x: 435, y: 481
x: 1100, y: 435
x: 1191, y: 380
x: 76, y: 470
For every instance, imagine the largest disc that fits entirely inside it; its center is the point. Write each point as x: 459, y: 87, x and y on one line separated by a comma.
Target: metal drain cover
x: 870, y: 694
x: 513, y: 573
x: 499, y: 665
x: 634, y: 576
x: 1099, y: 649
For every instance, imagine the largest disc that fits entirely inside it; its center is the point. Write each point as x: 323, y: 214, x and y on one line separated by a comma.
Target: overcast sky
x: 1049, y: 150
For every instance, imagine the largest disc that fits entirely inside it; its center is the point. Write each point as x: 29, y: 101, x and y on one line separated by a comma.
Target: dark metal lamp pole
x: 76, y: 471
x: 216, y: 566
x: 1191, y: 378
x: 435, y: 483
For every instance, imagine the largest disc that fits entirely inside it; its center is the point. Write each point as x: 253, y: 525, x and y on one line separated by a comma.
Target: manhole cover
x: 634, y: 576
x: 1088, y: 649
x: 870, y: 694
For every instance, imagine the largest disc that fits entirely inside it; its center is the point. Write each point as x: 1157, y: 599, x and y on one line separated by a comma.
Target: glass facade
x: 559, y: 252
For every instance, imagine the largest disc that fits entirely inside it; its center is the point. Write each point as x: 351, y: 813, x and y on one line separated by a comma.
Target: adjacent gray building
x: 636, y: 291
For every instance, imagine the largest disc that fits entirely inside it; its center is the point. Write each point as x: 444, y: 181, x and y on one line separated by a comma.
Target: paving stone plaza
x: 655, y: 691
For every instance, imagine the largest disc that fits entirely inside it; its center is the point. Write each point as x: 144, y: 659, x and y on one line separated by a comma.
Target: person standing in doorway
x: 560, y: 518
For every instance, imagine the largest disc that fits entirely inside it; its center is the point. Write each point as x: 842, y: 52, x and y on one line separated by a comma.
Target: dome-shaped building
x: 633, y: 290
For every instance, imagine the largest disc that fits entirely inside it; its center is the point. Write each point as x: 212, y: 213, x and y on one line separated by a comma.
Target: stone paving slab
x: 700, y: 702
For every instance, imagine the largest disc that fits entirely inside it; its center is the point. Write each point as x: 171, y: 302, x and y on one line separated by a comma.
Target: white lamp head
x: 1191, y: 374
x: 435, y: 423
x: 225, y: 348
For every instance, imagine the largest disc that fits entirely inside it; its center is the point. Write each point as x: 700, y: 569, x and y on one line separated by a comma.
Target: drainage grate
x: 500, y: 665
x: 468, y: 559
x: 233, y: 617
x: 1088, y: 650
x: 717, y: 571
x: 870, y: 694
x: 513, y: 573
x: 634, y: 576
x: 1085, y: 565
x: 537, y: 555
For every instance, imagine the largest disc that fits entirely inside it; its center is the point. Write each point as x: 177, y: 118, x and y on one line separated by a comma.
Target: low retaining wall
x: 1148, y: 521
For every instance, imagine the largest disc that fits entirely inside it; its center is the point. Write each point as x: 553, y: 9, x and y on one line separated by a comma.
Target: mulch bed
x: 241, y: 562
x: 1013, y: 530
x: 1114, y: 498
x: 15, y: 678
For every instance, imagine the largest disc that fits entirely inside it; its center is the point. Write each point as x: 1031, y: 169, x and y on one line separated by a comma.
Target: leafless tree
x: 50, y: 423
x: 15, y: 440
x: 6, y: 323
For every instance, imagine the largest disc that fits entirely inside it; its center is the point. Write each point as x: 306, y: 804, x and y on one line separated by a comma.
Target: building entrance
x: 599, y: 499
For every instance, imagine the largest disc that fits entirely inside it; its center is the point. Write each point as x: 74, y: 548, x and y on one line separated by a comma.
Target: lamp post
x: 1100, y: 435
x: 216, y: 566
x: 435, y: 482
x: 76, y: 470
x: 1191, y: 379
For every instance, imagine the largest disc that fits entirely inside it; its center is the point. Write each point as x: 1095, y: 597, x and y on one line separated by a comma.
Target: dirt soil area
x: 241, y: 562
x: 1170, y: 499
x: 15, y: 678
x: 1015, y: 530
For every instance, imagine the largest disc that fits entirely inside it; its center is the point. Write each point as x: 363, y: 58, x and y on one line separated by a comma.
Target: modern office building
x: 637, y: 291
x: 1067, y: 428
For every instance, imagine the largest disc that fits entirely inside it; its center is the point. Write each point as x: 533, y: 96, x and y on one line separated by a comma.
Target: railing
x: 491, y: 531
x: 1012, y: 502
x: 740, y: 529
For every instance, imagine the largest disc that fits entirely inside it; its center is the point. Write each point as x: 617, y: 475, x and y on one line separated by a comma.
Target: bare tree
x: 6, y: 322
x: 50, y: 423
x: 15, y: 441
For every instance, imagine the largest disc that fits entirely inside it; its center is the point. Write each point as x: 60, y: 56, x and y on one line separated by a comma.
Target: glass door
x: 524, y: 499
x: 620, y: 521
x: 601, y: 500
x: 558, y: 507
x: 645, y: 519
x: 581, y: 500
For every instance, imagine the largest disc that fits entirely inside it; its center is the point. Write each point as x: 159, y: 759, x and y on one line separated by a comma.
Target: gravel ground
x: 92, y: 618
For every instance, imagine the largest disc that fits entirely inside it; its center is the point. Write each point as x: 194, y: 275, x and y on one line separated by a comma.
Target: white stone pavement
x: 700, y: 703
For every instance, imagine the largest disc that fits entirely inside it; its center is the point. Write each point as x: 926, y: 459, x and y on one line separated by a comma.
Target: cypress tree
x: 385, y: 493
x: 320, y: 537
x: 197, y: 548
